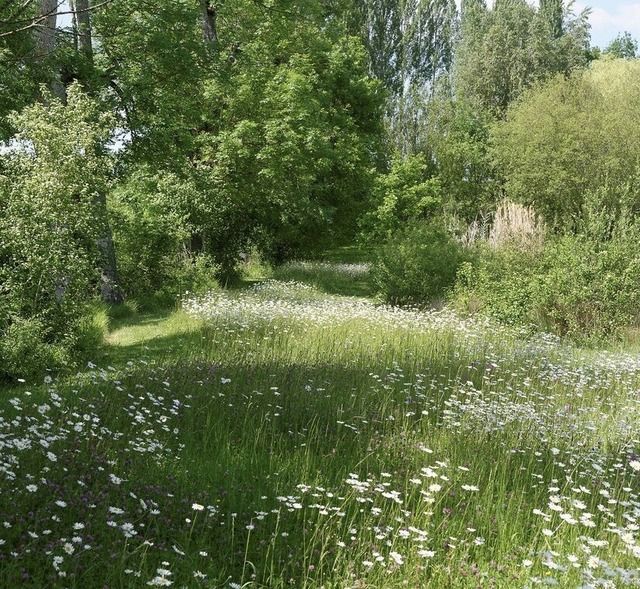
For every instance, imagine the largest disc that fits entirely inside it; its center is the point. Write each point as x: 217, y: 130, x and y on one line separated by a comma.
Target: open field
x: 280, y: 436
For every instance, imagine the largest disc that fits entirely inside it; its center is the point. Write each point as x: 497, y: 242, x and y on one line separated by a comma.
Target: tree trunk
x: 109, y: 287
x: 45, y: 38
x: 45, y: 31
x: 74, y: 22
x: 82, y: 18
x: 209, y: 24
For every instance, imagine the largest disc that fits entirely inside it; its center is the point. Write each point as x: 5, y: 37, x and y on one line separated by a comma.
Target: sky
x: 610, y: 17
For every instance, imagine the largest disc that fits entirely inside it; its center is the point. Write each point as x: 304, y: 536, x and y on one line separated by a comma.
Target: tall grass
x: 281, y: 437
x: 512, y: 224
x: 516, y: 224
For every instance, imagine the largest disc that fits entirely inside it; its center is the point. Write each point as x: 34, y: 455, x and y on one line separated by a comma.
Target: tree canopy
x: 150, y: 142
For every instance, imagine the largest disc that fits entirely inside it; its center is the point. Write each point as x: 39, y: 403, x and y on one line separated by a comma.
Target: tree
x: 82, y: 25
x: 154, y: 60
x: 429, y: 30
x: 624, y: 46
x: 267, y: 111
x: 458, y: 141
x: 505, y: 50
x: 410, y: 45
x: 290, y: 165
x: 54, y: 217
x: 552, y: 13
x: 209, y: 22
x: 19, y: 73
x: 468, y: 7
x: 408, y: 193
x: 380, y: 23
x: 45, y: 30
x: 571, y: 137
x: 45, y: 39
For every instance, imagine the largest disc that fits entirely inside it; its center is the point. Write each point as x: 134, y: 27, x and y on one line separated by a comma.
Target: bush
x: 590, y: 289
x: 584, y: 286
x: 25, y: 353
x: 500, y: 283
x: 417, y: 266
x: 154, y: 239
x: 91, y: 330
x: 195, y: 274
x: 149, y: 232
x: 51, y: 223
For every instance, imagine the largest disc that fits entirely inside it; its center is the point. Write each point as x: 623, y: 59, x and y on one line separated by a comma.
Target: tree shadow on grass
x: 331, y: 282
x: 245, y: 444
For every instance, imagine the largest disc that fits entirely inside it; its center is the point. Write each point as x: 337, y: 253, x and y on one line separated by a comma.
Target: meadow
x: 296, y: 433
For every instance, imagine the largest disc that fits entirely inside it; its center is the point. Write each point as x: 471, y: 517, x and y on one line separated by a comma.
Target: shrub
x: 90, y: 332
x: 157, y: 255
x: 417, y: 266
x: 590, y: 288
x: 583, y: 286
x: 195, y: 274
x: 51, y: 224
x: 25, y: 352
x: 500, y: 283
x: 149, y: 231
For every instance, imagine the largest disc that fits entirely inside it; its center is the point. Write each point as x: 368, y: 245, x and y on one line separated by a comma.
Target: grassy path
x: 288, y: 436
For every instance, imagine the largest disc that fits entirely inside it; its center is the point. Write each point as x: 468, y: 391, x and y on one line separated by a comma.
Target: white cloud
x: 608, y: 18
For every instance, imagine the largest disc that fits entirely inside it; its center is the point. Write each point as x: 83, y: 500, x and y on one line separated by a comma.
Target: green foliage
x: 27, y: 350
x: 406, y: 193
x: 127, y: 310
x: 571, y: 136
x: 509, y: 47
x: 91, y: 329
x: 151, y: 230
x: 583, y: 286
x: 624, y: 46
x: 590, y: 289
x: 452, y: 136
x: 50, y: 222
x: 418, y: 265
x: 409, y: 43
x: 154, y: 62
x: 291, y: 168
x: 269, y: 137
x: 500, y: 283
x: 273, y: 132
x: 19, y: 71
x: 458, y: 140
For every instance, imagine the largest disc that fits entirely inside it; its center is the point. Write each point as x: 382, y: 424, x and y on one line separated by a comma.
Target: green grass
x: 456, y: 432
x: 346, y: 279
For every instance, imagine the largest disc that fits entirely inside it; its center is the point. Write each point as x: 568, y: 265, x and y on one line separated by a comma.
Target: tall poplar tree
x: 502, y: 51
x: 552, y: 12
